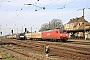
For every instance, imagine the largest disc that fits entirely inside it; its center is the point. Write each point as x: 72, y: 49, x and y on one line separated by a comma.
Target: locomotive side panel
x: 52, y: 34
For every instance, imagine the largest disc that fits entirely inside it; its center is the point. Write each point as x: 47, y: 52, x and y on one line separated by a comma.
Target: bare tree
x: 44, y: 27
x: 55, y: 23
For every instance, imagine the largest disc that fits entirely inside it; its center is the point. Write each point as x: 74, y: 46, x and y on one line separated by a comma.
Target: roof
x: 88, y: 24
x: 80, y: 19
x: 79, y: 30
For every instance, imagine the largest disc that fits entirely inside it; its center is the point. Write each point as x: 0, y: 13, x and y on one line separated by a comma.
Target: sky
x: 16, y: 14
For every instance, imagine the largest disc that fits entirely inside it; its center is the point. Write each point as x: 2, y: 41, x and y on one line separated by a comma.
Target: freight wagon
x: 33, y: 35
x: 11, y: 36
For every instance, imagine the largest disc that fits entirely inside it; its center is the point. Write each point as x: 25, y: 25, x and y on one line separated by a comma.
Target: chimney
x: 82, y: 17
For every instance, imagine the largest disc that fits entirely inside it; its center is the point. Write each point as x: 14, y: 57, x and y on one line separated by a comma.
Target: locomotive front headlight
x: 60, y: 34
x: 21, y: 36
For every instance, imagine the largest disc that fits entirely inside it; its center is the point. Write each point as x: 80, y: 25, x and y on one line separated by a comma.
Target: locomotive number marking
x: 48, y: 34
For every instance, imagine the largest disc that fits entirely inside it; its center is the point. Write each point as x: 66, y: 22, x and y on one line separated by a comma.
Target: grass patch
x: 5, y: 56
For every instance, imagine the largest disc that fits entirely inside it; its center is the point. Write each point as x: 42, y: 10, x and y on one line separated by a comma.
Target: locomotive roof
x: 51, y: 30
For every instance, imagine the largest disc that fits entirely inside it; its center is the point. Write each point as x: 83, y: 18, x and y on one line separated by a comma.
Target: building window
x: 79, y: 24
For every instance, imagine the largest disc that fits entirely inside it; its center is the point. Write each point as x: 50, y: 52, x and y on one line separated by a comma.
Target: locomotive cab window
x: 64, y: 30
x: 22, y: 34
x: 61, y: 30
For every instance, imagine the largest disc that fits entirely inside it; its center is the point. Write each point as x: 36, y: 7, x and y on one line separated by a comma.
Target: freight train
x: 50, y: 35
x: 53, y: 35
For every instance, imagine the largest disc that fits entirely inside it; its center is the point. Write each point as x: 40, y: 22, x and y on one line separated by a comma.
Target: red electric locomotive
x: 55, y: 35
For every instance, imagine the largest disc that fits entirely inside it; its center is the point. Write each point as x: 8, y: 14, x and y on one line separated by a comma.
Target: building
x: 77, y: 24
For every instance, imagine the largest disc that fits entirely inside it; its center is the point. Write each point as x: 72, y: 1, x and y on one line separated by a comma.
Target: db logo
x: 48, y: 34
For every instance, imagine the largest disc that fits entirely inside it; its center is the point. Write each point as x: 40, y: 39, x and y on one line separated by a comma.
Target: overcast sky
x: 14, y: 13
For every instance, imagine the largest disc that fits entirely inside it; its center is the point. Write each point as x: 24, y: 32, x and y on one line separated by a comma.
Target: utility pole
x: 22, y: 29
x: 17, y: 30
x: 83, y: 13
x: 31, y: 32
x: 0, y: 29
x: 83, y: 22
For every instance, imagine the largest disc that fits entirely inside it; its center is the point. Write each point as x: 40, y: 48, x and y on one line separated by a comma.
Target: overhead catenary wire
x: 65, y: 6
x: 47, y: 5
x: 52, y: 3
x: 40, y: 9
x: 27, y: 14
x: 21, y: 9
x: 69, y: 3
x: 37, y: 9
x: 58, y: 8
x: 17, y: 12
x: 57, y: 1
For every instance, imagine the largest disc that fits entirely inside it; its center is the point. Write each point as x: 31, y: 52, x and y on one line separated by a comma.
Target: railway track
x: 82, y: 43
x: 79, y: 51
x: 69, y: 50
x: 28, y: 55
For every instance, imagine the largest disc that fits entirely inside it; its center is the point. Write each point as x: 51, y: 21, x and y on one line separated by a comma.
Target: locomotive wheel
x: 58, y: 40
x: 63, y: 40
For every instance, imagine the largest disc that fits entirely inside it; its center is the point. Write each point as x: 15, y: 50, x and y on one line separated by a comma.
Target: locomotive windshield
x: 62, y: 31
x: 22, y: 34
